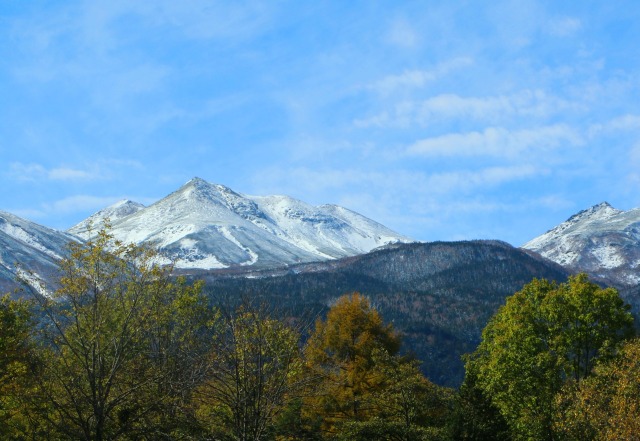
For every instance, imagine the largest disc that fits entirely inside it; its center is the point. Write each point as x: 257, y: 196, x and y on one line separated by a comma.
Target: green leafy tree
x: 16, y: 367
x: 543, y: 336
x: 406, y: 403
x: 475, y: 417
x: 407, y: 397
x: 254, y: 371
x: 114, y: 343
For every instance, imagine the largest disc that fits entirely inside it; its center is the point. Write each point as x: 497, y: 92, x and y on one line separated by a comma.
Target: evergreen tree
x: 340, y: 356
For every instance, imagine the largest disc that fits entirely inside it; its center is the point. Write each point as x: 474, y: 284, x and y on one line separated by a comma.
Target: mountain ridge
x: 601, y: 241
x: 30, y: 252
x: 210, y: 226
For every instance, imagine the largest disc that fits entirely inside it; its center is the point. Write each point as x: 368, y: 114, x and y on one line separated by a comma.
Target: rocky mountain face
x: 439, y: 295
x: 208, y: 226
x: 112, y: 213
x: 31, y: 252
x: 602, y: 241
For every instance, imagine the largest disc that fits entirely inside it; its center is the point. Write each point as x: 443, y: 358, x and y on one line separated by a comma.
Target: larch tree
x: 340, y: 356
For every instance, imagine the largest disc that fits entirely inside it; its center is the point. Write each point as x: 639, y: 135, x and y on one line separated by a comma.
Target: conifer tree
x: 340, y: 355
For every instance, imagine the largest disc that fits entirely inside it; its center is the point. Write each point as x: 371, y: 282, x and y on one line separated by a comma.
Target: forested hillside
x: 438, y: 295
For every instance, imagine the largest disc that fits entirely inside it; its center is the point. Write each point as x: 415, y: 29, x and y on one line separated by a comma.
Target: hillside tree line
x: 124, y: 351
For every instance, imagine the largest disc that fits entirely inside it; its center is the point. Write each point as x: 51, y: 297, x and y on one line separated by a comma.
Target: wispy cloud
x: 444, y: 107
x: 402, y: 34
x: 402, y: 183
x: 496, y: 142
x: 628, y: 122
x: 100, y: 170
x: 448, y: 183
x: 79, y: 203
x: 563, y: 27
x: 37, y: 172
x: 418, y: 78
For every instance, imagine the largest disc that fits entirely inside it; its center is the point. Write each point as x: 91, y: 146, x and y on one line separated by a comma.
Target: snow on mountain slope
x: 327, y: 231
x: 602, y: 241
x: 26, y: 247
x: 114, y: 213
x: 207, y: 226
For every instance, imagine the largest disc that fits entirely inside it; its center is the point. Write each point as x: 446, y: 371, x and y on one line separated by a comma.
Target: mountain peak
x: 114, y: 212
x: 603, y: 210
x: 197, y: 189
x: 601, y: 240
x: 195, y: 181
x: 204, y: 225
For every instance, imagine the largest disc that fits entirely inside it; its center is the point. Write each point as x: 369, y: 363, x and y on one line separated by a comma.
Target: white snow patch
x: 608, y: 256
x: 253, y: 257
x: 208, y: 262
x: 20, y: 234
x: 35, y: 281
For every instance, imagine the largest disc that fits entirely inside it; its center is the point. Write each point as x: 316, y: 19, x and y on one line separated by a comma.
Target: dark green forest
x: 438, y: 295
x: 124, y: 350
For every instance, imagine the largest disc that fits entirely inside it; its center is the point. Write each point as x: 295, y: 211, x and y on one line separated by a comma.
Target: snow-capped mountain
x: 30, y: 251
x: 113, y: 213
x: 601, y: 241
x: 209, y: 226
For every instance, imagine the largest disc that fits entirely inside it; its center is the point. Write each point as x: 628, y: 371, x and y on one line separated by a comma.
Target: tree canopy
x: 545, y: 335
x: 117, y: 345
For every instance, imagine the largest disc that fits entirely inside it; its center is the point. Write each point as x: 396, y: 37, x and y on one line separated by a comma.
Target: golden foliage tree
x: 605, y: 406
x: 340, y: 356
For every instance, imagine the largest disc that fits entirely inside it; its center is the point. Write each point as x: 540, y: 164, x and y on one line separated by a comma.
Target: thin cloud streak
x: 497, y: 142
x: 410, y: 79
x: 36, y: 172
x: 527, y: 103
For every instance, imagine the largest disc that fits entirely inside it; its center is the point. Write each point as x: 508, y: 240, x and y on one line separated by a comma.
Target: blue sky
x: 443, y: 120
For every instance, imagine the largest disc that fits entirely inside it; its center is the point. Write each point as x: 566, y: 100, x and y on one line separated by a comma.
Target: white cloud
x: 563, y: 27
x: 79, y: 203
x: 401, y: 183
x: 37, y: 172
x: 634, y: 155
x: 629, y: 122
x: 466, y: 180
x: 526, y: 103
x: 402, y: 34
x: 69, y: 174
x: 496, y: 142
x: 418, y: 78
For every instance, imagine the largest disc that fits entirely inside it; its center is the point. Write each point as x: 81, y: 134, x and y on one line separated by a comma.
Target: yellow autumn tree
x: 605, y: 406
x: 340, y: 355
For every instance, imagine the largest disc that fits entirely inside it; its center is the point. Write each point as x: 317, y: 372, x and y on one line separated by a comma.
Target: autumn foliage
x: 124, y: 350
